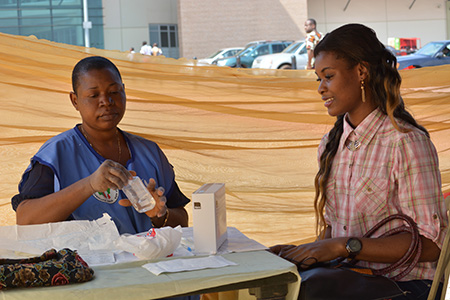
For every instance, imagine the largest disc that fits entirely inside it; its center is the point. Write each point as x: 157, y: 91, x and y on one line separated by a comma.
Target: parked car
x: 432, y: 54
x: 395, y: 51
x: 222, y: 53
x: 245, y: 57
x: 401, y: 52
x: 283, y: 60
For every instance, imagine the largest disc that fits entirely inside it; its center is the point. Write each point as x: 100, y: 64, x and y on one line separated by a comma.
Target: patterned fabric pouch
x: 51, y: 268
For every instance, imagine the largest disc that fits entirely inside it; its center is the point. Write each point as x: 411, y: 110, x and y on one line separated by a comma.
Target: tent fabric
x: 257, y: 131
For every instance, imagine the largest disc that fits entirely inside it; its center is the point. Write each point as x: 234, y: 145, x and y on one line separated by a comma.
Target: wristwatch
x: 353, y: 246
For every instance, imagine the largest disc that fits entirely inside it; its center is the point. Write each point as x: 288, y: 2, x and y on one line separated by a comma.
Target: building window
x: 55, y: 20
x: 166, y: 36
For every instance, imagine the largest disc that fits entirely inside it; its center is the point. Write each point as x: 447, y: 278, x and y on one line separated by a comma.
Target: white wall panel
x: 424, y: 19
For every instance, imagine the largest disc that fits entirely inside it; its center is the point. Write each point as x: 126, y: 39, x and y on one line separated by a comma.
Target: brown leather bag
x: 339, y: 280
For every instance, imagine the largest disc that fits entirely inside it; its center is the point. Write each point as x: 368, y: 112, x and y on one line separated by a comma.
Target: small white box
x: 209, y: 218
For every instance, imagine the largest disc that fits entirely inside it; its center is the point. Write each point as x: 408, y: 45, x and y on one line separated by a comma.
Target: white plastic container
x: 138, y: 195
x: 209, y: 218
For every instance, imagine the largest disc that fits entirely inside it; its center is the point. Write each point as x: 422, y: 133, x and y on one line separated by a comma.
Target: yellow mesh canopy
x: 255, y: 130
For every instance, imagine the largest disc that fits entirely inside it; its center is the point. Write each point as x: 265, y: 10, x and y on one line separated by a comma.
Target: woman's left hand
x: 157, y: 193
x: 319, y: 251
x: 160, y: 208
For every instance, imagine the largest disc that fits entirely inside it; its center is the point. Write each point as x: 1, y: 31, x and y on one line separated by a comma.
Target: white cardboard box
x: 209, y: 218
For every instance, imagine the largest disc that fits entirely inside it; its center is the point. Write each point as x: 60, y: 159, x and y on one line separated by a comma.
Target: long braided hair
x: 356, y: 43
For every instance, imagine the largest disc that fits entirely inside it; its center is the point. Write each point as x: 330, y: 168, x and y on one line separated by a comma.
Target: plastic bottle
x: 138, y: 195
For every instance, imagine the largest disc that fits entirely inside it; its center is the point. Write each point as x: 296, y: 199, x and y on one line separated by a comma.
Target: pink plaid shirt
x: 390, y: 172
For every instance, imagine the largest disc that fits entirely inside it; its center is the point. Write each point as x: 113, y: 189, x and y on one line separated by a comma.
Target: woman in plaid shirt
x: 376, y: 161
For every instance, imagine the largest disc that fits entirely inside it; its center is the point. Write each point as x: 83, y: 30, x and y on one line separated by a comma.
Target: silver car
x: 283, y: 60
x: 222, y: 53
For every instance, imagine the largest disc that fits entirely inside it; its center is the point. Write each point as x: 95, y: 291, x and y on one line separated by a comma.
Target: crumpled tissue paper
x: 156, y: 243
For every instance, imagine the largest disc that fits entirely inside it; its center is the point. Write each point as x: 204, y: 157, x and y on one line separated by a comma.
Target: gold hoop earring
x: 363, y: 92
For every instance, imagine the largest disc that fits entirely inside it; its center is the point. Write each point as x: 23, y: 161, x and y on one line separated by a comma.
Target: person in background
x: 312, y: 39
x: 375, y: 162
x: 131, y: 53
x: 156, y: 51
x: 145, y: 49
x: 79, y: 174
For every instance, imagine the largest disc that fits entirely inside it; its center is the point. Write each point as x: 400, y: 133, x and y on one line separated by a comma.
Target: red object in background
x: 409, y: 45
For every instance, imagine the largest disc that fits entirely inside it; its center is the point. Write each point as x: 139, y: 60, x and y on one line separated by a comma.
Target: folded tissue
x: 155, y: 243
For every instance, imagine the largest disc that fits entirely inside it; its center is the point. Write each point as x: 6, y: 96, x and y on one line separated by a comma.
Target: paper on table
x: 188, y: 264
x: 236, y: 242
x: 98, y: 242
x: 83, y: 236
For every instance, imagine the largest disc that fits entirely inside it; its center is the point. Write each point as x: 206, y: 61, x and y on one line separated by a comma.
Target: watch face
x: 354, y: 245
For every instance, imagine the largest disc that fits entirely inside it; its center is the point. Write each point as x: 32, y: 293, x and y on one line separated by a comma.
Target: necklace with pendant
x: 353, y: 145
x: 83, y: 131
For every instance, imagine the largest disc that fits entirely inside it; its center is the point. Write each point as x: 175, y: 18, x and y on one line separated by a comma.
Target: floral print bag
x: 51, y: 268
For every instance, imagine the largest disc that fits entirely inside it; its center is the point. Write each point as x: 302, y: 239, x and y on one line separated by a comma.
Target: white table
x: 267, y: 275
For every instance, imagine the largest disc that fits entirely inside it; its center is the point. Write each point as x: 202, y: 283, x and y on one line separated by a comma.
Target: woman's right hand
x: 110, y: 174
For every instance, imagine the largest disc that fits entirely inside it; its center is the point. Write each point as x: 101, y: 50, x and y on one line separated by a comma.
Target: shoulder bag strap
x: 412, y: 255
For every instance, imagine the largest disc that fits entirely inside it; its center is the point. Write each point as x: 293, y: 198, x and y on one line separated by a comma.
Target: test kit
x: 209, y: 218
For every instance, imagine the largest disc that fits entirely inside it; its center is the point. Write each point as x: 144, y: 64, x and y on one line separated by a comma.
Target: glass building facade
x: 55, y: 20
